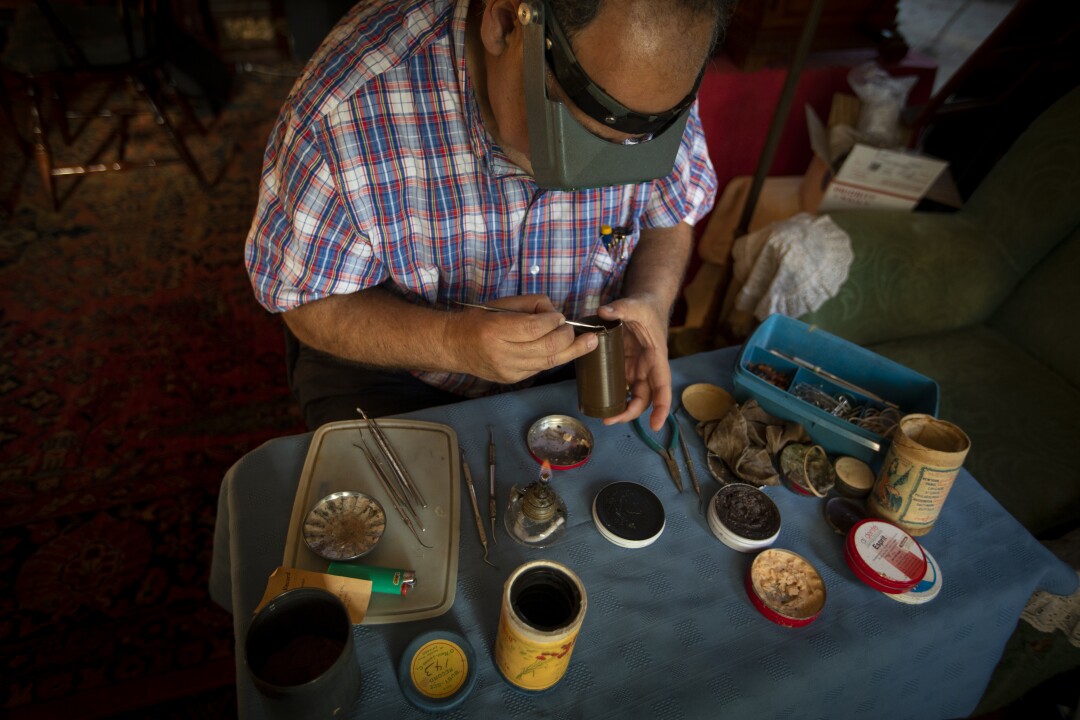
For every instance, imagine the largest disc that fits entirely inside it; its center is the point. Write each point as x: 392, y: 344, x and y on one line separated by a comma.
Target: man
x: 398, y: 183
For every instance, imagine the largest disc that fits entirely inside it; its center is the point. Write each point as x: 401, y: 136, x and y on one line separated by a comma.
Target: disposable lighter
x: 390, y: 581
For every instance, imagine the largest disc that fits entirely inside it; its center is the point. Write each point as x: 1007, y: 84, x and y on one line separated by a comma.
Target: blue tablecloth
x: 669, y: 630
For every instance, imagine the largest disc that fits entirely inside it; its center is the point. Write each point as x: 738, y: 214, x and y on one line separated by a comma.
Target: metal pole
x: 779, y: 119
x: 768, y: 153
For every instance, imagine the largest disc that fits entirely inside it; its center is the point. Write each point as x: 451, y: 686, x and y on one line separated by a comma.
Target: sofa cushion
x: 1041, y: 316
x: 1019, y: 414
x: 1028, y: 202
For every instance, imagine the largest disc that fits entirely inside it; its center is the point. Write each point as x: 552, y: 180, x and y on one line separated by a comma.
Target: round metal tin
x: 926, y: 589
x: 344, y: 526
x: 560, y: 440
x: 854, y: 478
x: 628, y: 515
x: 884, y: 556
x: 843, y: 513
x: 720, y: 470
x: 437, y: 671
x: 807, y: 469
x: 785, y: 587
x: 743, y: 517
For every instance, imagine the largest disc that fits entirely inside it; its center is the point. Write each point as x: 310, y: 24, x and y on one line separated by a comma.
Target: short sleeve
x: 688, y: 192
x: 303, y: 245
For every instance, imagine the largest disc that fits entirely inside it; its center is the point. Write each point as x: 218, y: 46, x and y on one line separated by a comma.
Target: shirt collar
x: 483, y: 145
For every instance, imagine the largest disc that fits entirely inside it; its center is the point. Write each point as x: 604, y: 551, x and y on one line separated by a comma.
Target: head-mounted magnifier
x: 564, y: 154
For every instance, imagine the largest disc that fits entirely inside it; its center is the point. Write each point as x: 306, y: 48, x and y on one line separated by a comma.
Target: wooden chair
x: 96, y: 52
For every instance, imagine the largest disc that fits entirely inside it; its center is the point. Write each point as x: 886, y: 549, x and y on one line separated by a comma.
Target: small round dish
x: 706, y: 402
x: 437, y: 671
x: 344, y: 526
x: 560, y: 440
x: 785, y: 587
x: 743, y: 517
x: 628, y: 515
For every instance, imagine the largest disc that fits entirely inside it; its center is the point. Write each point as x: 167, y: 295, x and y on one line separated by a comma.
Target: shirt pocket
x: 608, y: 268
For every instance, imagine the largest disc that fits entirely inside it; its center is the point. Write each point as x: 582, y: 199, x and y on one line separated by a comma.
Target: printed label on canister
x: 529, y: 664
x: 542, y: 611
x: 439, y: 669
x: 919, y: 470
x: 884, y: 549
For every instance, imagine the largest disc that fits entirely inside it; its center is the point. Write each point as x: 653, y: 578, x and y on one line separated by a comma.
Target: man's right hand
x: 507, y: 347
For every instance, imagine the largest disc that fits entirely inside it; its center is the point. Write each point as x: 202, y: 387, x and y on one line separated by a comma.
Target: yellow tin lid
x: 437, y: 671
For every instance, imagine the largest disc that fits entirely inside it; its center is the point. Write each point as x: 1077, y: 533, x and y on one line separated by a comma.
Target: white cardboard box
x: 869, y: 177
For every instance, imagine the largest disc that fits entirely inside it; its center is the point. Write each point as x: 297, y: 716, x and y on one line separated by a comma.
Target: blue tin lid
x: 437, y: 671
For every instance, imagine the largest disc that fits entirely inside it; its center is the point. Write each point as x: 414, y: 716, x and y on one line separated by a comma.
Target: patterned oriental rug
x: 135, y: 368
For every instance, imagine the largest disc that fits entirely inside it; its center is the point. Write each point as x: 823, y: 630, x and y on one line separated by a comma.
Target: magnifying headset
x: 564, y: 154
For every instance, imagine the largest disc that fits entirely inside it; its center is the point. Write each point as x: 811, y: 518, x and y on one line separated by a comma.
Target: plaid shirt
x: 379, y: 171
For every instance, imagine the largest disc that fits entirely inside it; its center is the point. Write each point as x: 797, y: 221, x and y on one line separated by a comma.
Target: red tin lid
x: 785, y: 587
x: 884, y: 556
x: 562, y: 441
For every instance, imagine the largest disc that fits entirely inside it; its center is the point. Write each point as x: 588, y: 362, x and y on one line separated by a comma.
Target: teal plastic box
x: 811, y: 358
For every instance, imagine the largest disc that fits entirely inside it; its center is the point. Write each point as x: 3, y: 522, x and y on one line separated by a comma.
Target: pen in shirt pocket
x: 614, y: 241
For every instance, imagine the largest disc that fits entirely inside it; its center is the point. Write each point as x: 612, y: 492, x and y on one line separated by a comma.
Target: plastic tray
x: 429, y: 452
x: 876, y: 375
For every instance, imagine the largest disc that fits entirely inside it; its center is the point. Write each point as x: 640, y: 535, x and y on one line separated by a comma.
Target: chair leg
x: 8, y: 107
x: 42, y: 152
x: 59, y: 108
x: 168, y: 87
x: 174, y: 137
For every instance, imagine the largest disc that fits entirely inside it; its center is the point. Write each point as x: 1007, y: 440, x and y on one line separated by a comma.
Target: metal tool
x: 668, y: 453
x: 475, y: 507
x: 489, y: 308
x: 395, y: 462
x: 388, y: 488
x: 491, y: 483
x: 830, y: 376
x: 690, y: 466
x: 396, y: 491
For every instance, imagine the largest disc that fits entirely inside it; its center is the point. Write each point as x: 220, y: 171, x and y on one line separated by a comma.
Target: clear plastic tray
x: 429, y: 452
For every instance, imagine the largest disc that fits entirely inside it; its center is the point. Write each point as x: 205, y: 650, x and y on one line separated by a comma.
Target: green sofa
x: 986, y: 301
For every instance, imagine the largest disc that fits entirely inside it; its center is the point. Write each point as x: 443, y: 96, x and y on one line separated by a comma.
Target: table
x: 669, y: 630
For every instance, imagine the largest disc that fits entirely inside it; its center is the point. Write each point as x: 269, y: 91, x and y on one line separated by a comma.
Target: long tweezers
x: 575, y: 323
x: 388, y: 488
x: 395, y: 462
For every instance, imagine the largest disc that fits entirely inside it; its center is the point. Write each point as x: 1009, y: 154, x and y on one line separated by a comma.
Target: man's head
x: 645, y: 55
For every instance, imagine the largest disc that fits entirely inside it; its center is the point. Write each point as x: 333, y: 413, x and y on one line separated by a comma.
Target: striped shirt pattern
x: 379, y: 171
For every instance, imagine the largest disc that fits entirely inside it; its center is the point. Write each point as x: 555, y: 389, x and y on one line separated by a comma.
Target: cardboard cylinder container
x: 918, y: 472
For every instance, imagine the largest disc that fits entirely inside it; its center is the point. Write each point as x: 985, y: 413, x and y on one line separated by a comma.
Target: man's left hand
x: 645, y: 330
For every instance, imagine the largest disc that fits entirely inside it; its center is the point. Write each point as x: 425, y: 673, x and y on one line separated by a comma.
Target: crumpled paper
x: 748, y: 438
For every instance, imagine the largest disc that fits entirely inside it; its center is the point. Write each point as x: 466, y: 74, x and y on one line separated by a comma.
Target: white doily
x: 791, y: 267
x: 1049, y: 612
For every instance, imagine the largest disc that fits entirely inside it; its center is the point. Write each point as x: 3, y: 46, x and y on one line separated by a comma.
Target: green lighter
x: 389, y: 581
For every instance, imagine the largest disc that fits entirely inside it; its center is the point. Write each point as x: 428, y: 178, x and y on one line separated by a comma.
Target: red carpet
x: 135, y: 368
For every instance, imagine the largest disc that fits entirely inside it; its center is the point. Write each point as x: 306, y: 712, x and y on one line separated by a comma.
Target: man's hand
x: 653, y: 281
x: 645, y: 328
x: 379, y: 329
x: 506, y: 347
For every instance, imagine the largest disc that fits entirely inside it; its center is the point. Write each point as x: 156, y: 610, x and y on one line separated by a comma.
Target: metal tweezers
x: 575, y: 323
